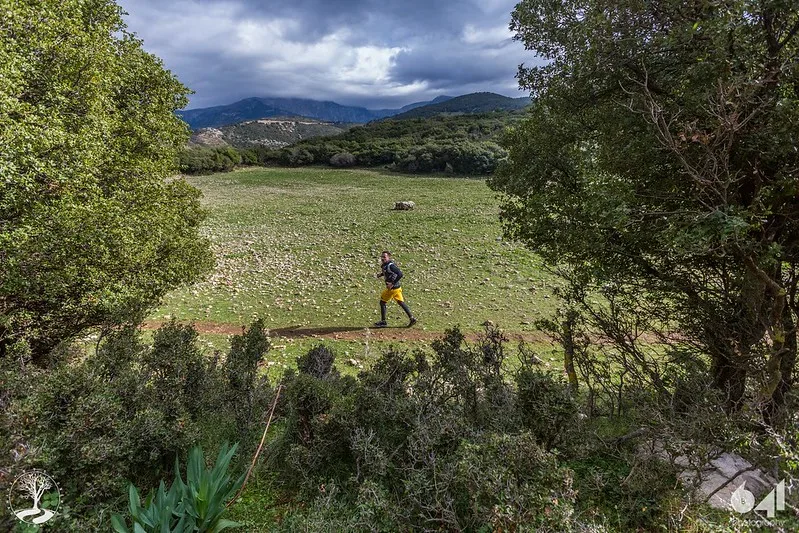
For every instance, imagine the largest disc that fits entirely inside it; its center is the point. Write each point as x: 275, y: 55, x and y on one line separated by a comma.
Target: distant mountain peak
x: 483, y: 102
x: 264, y: 107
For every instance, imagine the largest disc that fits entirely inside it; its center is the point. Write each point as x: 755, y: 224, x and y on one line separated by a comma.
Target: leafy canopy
x: 660, y: 161
x: 92, y: 229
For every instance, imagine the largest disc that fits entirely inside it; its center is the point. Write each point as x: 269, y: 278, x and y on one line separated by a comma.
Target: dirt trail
x: 346, y: 333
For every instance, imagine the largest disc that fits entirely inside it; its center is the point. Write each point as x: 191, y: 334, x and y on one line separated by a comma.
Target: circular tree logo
x: 34, y: 497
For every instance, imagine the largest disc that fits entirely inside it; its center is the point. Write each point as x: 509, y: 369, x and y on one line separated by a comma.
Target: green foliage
x: 462, y: 144
x: 342, y: 159
x: 511, y: 482
x: 548, y: 409
x: 418, y: 442
x: 247, y: 392
x: 457, y: 144
x: 196, y: 505
x: 658, y: 165
x: 93, y: 230
x: 624, y: 492
x: 199, y: 160
x: 126, y: 413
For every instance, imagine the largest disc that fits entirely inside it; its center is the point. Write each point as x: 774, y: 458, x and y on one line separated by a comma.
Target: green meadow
x: 299, y: 248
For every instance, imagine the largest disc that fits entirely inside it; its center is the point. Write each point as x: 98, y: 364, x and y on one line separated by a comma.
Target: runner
x: 391, y: 274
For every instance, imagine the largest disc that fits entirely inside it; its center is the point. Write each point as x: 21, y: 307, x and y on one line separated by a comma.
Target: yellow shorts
x: 392, y: 294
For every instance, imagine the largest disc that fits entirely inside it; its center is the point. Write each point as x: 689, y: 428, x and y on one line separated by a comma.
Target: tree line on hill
x: 463, y: 145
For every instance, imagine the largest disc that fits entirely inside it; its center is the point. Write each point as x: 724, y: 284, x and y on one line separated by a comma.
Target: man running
x: 391, y: 274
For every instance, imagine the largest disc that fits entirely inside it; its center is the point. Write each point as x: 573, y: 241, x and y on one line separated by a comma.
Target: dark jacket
x: 392, y: 274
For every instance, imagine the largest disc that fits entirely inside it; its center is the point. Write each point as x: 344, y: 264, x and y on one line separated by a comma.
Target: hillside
x: 257, y: 108
x: 465, y: 144
x: 461, y: 144
x: 269, y: 132
x: 466, y: 104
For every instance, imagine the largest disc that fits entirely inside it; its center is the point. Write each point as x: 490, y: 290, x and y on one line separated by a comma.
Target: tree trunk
x: 787, y: 366
x: 568, y: 348
x: 730, y: 379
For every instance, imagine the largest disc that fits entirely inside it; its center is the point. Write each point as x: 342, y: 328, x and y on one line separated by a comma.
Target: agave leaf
x: 118, y: 523
x: 184, y: 524
x: 225, y: 524
x: 134, y: 502
x: 195, y: 466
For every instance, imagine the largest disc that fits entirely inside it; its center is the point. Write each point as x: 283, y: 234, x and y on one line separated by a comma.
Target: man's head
x: 385, y: 257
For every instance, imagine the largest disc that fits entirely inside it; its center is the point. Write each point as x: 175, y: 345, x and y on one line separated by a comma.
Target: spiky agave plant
x: 194, y: 506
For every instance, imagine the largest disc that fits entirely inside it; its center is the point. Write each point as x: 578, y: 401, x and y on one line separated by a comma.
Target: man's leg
x: 406, y: 309
x: 411, y: 318
x: 382, y: 322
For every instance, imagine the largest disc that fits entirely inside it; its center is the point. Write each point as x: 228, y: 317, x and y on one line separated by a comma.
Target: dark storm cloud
x: 356, y: 52
x: 450, y: 67
x: 369, y: 19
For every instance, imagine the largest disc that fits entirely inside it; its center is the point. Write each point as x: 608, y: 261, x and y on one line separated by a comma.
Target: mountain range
x: 468, y: 104
x: 257, y: 108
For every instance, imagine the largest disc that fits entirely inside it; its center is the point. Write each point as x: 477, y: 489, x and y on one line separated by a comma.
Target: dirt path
x: 346, y: 333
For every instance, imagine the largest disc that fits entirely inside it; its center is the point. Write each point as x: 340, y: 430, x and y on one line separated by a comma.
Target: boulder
x: 715, y: 482
x: 404, y: 206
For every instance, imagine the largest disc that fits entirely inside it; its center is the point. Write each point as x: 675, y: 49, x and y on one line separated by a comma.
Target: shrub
x: 546, y: 407
x: 419, y: 441
x: 342, y: 159
x: 247, y: 394
x: 129, y: 411
x: 205, y: 160
x: 507, y: 482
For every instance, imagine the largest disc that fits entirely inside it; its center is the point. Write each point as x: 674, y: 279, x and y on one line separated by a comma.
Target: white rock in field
x: 404, y: 205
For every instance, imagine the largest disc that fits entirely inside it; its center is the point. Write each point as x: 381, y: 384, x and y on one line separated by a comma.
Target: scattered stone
x: 405, y: 205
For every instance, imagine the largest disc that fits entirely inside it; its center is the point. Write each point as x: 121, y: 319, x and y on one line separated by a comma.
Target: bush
x: 342, y: 159
x: 507, y: 482
x: 546, y: 407
x: 204, y: 160
x: 417, y: 441
x: 128, y: 412
x: 247, y: 393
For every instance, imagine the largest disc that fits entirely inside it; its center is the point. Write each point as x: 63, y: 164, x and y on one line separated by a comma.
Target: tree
x: 659, y: 166
x: 342, y: 159
x: 93, y: 229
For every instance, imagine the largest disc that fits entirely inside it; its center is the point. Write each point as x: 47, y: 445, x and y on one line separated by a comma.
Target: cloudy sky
x: 373, y: 53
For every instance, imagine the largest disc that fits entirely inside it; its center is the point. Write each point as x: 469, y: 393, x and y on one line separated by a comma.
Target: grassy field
x: 299, y: 247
